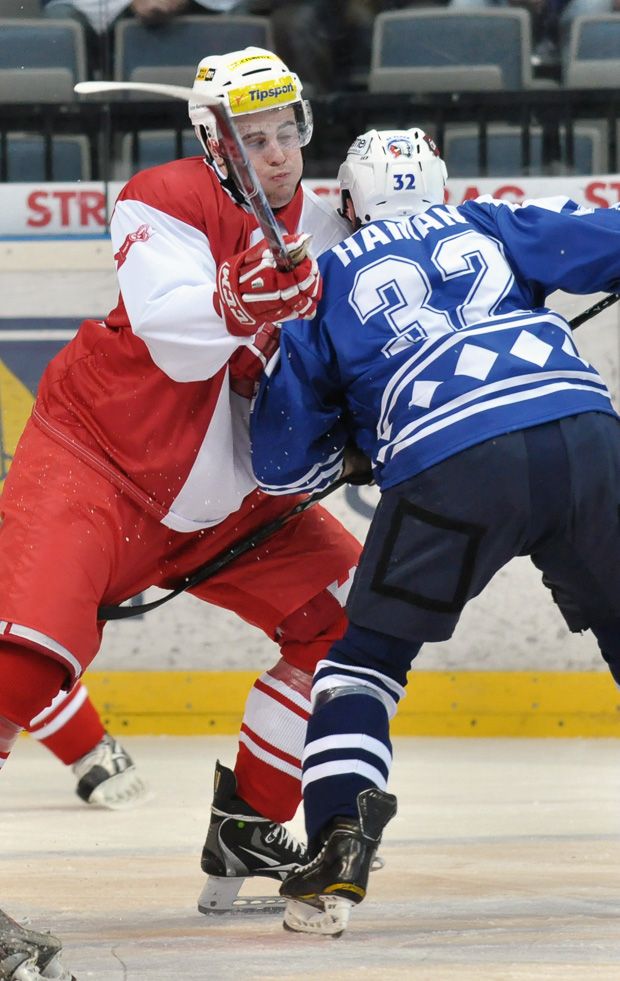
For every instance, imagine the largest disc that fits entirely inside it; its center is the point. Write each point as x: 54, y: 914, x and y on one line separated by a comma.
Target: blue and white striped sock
x: 348, y: 746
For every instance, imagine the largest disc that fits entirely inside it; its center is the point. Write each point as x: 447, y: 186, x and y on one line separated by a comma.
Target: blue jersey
x: 432, y: 335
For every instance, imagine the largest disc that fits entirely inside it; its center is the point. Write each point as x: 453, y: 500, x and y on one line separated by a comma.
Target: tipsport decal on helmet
x: 245, y: 81
x: 268, y: 95
x: 248, y: 81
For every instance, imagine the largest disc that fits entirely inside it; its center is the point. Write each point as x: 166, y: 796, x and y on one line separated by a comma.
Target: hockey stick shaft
x: 592, y: 311
x: 224, y: 558
x: 236, y: 154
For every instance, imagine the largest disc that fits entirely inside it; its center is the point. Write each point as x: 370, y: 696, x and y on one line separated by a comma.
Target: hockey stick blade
x: 236, y: 154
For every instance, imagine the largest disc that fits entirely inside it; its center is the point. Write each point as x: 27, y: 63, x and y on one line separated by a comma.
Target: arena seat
x: 593, y: 52
x: 20, y: 8
x: 170, y: 54
x: 54, y: 53
x: 148, y: 148
x: 444, y: 50
x: 26, y: 158
x: 505, y: 156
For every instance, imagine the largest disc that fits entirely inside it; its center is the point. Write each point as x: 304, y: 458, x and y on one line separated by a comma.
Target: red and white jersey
x: 143, y: 396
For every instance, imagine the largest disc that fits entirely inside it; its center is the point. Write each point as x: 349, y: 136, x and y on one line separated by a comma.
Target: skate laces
x: 279, y: 835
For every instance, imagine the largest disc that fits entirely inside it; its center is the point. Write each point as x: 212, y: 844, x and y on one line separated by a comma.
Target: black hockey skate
x: 321, y: 894
x: 27, y: 955
x: 242, y: 843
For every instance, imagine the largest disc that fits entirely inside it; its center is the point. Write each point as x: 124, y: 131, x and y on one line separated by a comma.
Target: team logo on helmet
x: 400, y: 146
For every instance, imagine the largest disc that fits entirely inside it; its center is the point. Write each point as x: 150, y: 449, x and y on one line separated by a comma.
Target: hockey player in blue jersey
x: 432, y: 352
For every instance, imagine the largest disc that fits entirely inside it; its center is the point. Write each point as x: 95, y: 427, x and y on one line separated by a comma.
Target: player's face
x: 272, y: 142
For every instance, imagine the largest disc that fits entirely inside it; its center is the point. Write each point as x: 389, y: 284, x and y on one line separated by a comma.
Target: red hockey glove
x: 251, y: 290
x: 248, y: 362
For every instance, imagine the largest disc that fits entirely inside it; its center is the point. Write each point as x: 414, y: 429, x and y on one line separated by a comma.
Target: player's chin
x: 279, y: 194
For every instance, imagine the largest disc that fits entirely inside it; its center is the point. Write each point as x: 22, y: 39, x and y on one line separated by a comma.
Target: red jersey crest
x: 142, y: 234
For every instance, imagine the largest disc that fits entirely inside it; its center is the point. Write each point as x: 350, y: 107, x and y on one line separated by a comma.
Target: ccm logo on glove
x: 251, y: 290
x: 232, y: 307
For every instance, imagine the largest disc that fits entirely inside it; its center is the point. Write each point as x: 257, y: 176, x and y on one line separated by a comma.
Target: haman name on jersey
x: 371, y: 236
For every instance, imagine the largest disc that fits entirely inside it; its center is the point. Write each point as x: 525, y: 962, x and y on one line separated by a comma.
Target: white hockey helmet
x: 247, y: 81
x: 388, y: 173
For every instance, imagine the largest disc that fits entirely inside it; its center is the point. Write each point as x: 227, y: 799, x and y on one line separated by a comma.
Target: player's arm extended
x: 297, y: 431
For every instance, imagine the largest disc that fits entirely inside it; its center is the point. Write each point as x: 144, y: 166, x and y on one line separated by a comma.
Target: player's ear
x: 218, y: 159
x: 350, y: 213
x: 347, y: 209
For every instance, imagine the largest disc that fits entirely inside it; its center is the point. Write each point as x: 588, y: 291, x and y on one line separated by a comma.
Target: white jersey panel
x: 319, y: 218
x: 167, y: 282
x: 221, y: 475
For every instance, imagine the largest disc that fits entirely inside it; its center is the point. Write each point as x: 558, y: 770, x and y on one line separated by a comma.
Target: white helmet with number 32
x: 388, y: 173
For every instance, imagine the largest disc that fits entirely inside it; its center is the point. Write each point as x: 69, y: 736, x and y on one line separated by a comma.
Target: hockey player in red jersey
x: 134, y: 468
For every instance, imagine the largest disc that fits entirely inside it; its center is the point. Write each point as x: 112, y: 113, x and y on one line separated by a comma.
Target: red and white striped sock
x: 271, y: 742
x: 28, y: 680
x: 70, y: 727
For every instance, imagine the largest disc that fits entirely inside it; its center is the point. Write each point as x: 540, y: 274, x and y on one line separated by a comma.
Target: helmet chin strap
x: 225, y: 178
x: 229, y: 183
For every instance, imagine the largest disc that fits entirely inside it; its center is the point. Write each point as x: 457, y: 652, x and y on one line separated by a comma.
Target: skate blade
x: 27, y: 970
x: 330, y: 919
x: 56, y: 971
x: 220, y: 897
x: 121, y: 792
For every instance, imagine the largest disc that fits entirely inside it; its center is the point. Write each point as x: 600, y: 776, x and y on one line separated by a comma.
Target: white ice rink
x: 503, y: 862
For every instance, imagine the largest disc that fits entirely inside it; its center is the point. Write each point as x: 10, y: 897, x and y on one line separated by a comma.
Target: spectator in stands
x: 327, y: 43
x: 324, y: 41
x: 321, y: 40
x: 544, y: 18
x: 98, y: 17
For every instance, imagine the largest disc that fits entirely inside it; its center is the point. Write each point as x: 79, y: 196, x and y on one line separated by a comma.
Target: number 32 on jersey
x: 400, y: 289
